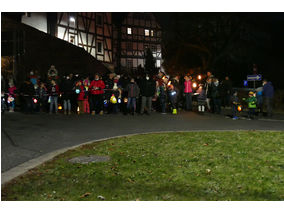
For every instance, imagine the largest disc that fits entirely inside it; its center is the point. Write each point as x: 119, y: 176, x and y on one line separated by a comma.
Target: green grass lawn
x: 239, y: 165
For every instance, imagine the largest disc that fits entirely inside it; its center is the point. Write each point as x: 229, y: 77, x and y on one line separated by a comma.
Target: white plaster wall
x: 36, y: 20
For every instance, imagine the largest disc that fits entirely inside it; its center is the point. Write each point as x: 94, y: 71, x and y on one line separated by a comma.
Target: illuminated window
x: 147, y: 32
x: 100, y: 47
x: 129, y: 30
x: 152, y: 33
x: 72, y: 39
x: 158, y: 63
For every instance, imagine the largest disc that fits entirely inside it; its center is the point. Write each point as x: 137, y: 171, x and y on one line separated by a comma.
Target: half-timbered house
x: 132, y: 37
x: 120, y: 47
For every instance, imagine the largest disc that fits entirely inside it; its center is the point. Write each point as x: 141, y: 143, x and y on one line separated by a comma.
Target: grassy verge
x: 245, y: 165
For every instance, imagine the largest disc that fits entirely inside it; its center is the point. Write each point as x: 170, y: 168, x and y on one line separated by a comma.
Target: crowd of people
x: 140, y: 95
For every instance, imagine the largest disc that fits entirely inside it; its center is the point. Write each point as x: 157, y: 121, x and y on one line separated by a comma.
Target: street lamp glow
x: 72, y: 19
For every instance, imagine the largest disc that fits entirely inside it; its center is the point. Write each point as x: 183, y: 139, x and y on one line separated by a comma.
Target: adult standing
x: 96, y: 90
x: 227, y: 87
x: 216, y: 96
x: 162, y: 93
x: 208, y: 93
x: 177, y: 88
x: 132, y: 93
x: 147, y: 89
x: 123, y: 82
x: 268, y: 93
x: 54, y: 92
x: 259, y: 99
x: 27, y: 90
x: 67, y: 90
x: 188, y: 93
x: 109, y: 83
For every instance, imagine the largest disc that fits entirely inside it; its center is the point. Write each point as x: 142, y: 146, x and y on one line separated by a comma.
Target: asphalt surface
x: 25, y: 137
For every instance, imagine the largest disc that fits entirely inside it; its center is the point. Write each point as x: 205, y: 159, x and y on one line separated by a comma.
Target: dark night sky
x: 270, y: 23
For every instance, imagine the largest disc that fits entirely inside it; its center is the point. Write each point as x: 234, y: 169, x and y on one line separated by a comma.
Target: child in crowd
x: 235, y: 103
x: 11, y: 97
x: 133, y: 92
x: 79, y: 89
x: 86, y: 105
x: 201, y: 99
x: 42, y: 95
x: 162, y: 93
x: 251, y: 100
x: 172, y: 94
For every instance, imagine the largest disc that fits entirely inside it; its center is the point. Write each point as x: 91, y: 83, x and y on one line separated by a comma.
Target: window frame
x: 99, y: 42
x: 145, y: 30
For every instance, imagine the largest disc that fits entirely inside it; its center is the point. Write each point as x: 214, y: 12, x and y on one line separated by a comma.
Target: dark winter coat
x: 234, y: 99
x: 133, y: 90
x: 202, y: 95
x: 28, y: 89
x: 176, y: 85
x: 268, y: 90
x: 66, y: 88
x: 147, y: 87
x: 227, y: 87
x: 124, y: 83
x: 208, y: 89
x: 215, y: 92
x: 108, y: 84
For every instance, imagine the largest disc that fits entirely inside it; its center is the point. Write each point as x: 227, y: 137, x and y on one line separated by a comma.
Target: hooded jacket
x: 268, y: 90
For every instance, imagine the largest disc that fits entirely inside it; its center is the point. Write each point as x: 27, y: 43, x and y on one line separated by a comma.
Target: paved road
x: 25, y: 137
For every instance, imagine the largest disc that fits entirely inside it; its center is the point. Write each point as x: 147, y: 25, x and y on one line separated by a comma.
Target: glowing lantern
x: 239, y: 108
x: 78, y: 109
x: 169, y: 83
x: 35, y: 100
x: 60, y: 107
x: 105, y: 103
x: 125, y: 100
x: 10, y: 99
x: 199, y: 77
x: 113, y: 99
x: 194, y: 85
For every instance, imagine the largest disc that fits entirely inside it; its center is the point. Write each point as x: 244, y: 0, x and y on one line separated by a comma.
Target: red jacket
x: 99, y: 84
x: 187, y: 87
x: 81, y: 94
